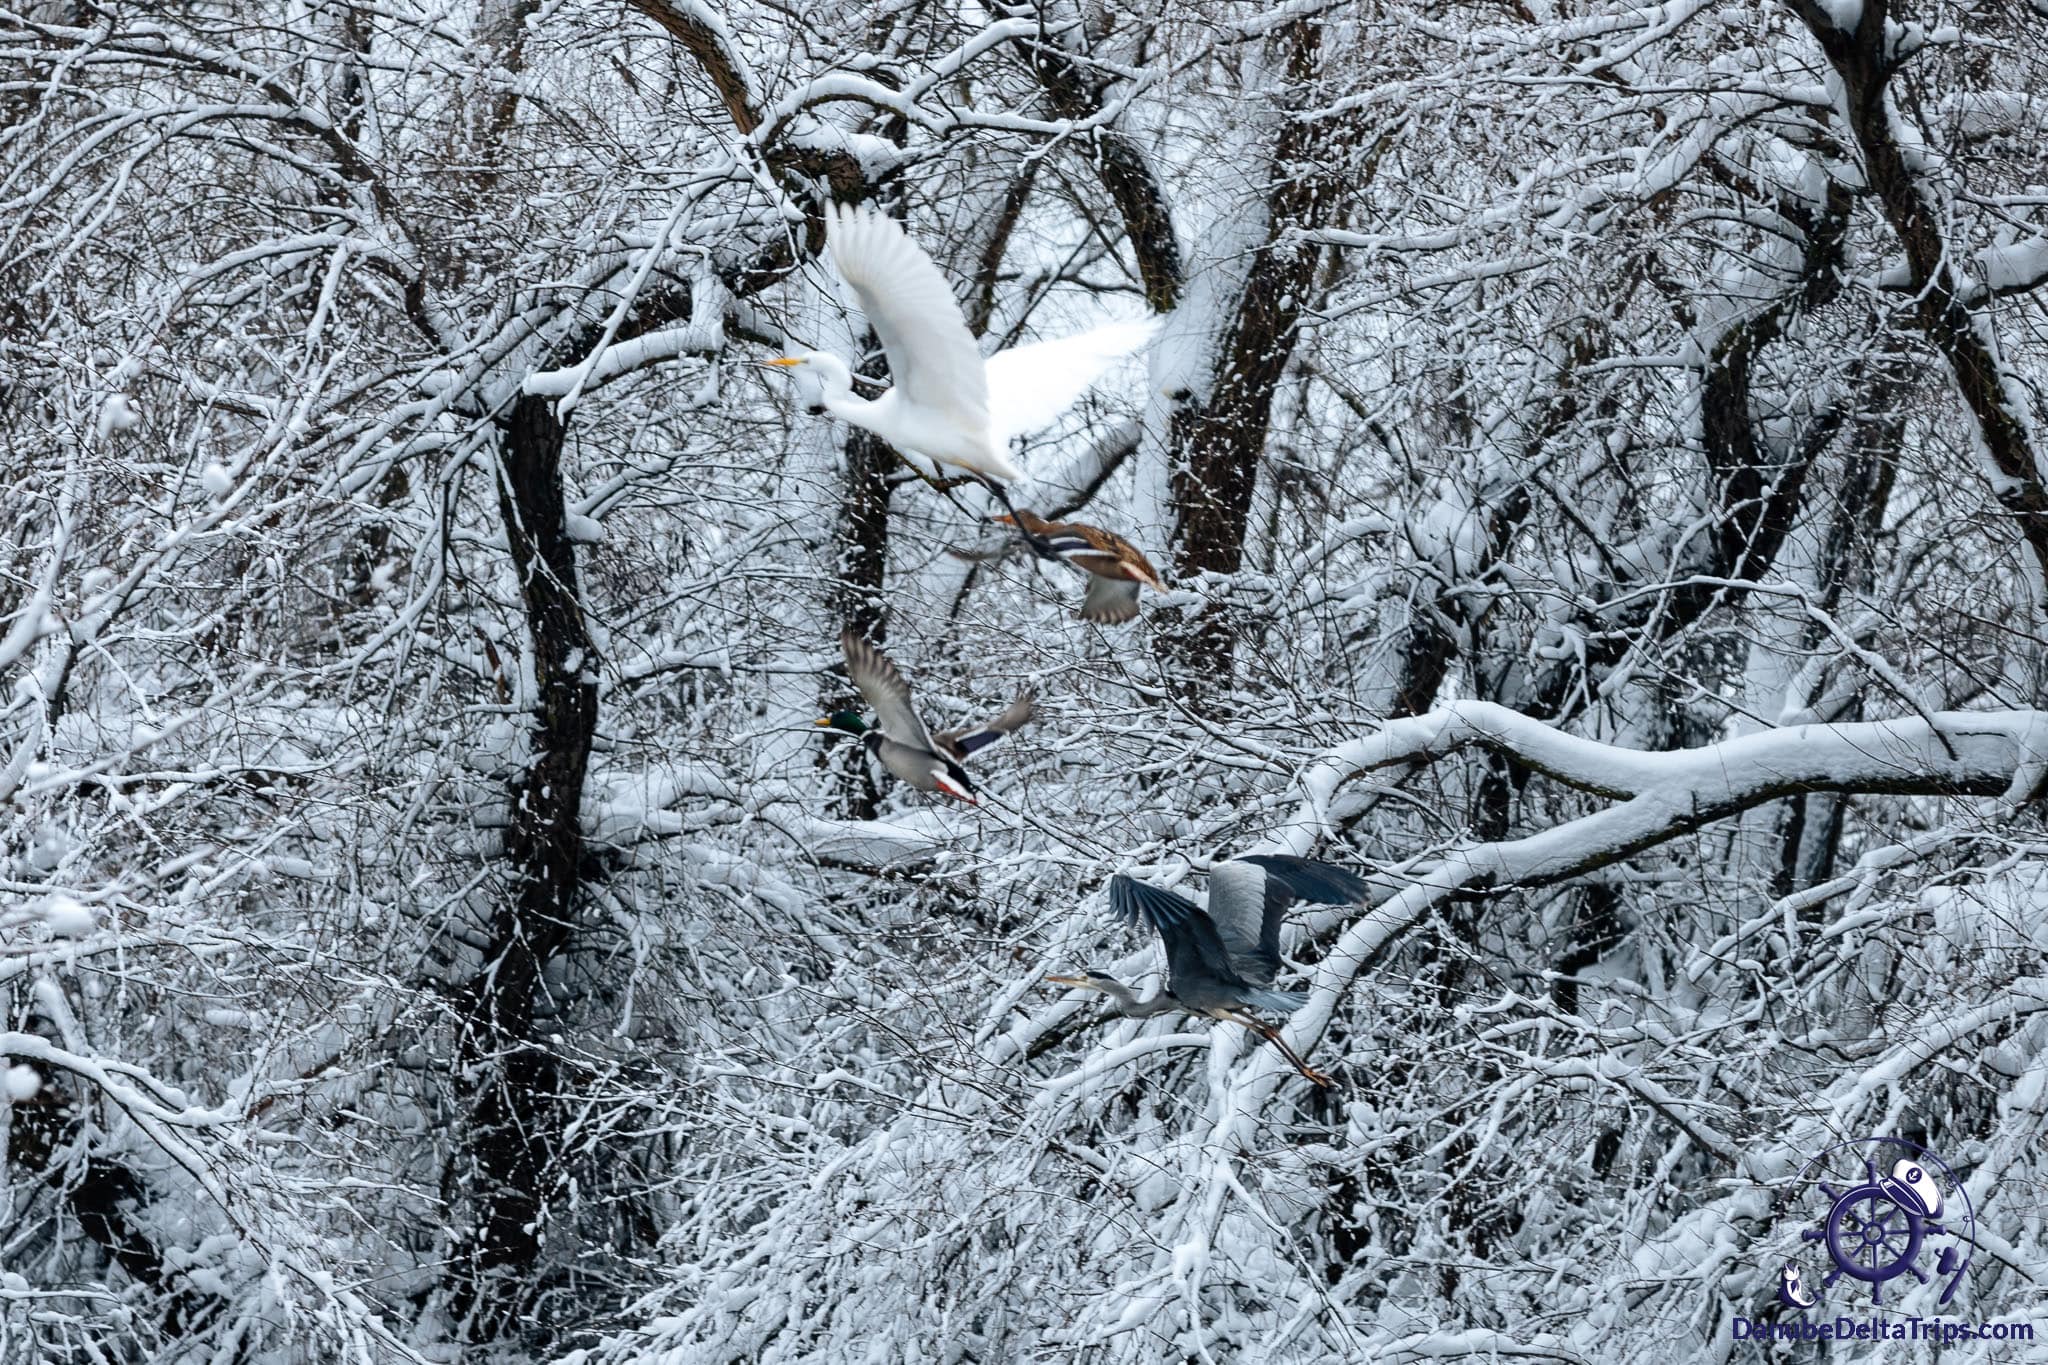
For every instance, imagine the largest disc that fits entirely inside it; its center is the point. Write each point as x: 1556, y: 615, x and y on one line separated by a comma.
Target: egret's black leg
x: 1040, y: 546
x: 945, y: 486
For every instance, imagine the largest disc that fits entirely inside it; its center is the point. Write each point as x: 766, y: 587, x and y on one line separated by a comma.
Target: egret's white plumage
x: 948, y: 405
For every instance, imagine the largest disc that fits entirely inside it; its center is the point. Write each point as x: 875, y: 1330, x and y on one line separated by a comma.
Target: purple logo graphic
x: 1893, y: 1208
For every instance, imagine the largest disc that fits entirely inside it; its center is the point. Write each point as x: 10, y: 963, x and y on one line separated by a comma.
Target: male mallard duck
x: 1114, y: 566
x: 899, y: 740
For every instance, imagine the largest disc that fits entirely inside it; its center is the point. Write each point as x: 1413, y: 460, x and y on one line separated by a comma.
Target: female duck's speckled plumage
x: 1114, y: 566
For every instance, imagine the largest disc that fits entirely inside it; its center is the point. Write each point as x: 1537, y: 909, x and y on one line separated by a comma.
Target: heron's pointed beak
x: 1067, y: 980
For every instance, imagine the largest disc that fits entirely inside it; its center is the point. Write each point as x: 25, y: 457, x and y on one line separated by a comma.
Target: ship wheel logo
x: 1893, y: 1208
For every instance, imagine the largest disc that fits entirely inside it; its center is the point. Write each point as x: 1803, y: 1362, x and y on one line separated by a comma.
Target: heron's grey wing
x: 882, y: 684
x: 1248, y: 898
x: 1195, y: 955
x: 961, y: 743
x: 1109, y: 601
x: 933, y: 360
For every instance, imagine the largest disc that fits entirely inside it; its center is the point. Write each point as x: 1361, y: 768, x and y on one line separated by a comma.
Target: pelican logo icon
x: 1893, y: 1208
x: 1791, y: 1292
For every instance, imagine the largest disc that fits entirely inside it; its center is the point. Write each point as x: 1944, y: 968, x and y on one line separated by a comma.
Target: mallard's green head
x: 848, y: 721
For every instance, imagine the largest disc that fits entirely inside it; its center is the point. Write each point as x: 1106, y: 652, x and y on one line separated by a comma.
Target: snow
x: 1846, y: 15
x: 1675, y: 874
x: 20, y: 1083
x: 117, y: 413
x: 2015, y: 266
x: 68, y: 918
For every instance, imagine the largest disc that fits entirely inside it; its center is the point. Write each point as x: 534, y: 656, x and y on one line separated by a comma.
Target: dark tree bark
x: 1865, y: 63
x: 1074, y: 91
x: 1812, y: 832
x: 1216, y: 446
x: 505, y: 1165
x: 864, y: 535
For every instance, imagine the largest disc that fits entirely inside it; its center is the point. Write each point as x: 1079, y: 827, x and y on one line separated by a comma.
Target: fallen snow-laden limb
x: 1665, y: 795
x: 1902, y: 757
x: 1661, y: 796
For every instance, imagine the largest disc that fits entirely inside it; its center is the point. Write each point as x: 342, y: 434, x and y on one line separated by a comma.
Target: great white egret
x: 1224, y: 959
x: 899, y: 740
x: 949, y: 404
x: 1114, y: 566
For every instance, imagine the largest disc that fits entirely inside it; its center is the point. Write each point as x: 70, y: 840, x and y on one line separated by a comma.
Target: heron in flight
x: 1222, y: 961
x: 949, y: 404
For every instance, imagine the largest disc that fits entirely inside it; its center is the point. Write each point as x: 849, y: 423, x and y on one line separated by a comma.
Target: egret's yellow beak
x: 784, y: 360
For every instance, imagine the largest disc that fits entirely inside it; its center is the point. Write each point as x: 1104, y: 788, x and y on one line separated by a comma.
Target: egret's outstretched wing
x: 1194, y: 954
x: 882, y: 684
x: 1248, y: 897
x: 1029, y: 386
x: 961, y: 743
x: 933, y: 360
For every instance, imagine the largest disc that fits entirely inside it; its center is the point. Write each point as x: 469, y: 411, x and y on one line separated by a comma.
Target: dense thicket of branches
x: 1599, y: 453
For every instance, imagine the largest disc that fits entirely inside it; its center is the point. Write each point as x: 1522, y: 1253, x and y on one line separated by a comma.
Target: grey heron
x: 1223, y: 960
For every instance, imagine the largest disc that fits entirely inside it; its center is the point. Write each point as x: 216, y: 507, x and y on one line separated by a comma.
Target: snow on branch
x: 1664, y: 795
x: 1958, y: 753
x: 704, y: 36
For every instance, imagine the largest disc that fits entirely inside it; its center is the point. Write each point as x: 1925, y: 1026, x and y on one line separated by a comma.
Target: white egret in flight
x: 949, y: 404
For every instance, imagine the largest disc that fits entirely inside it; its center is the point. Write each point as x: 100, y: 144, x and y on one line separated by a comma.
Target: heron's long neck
x: 1129, y: 1005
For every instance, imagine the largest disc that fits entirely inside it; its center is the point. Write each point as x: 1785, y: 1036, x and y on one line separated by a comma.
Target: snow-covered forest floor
x: 1598, y: 457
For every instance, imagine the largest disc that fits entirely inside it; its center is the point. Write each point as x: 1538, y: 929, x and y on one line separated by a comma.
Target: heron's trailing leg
x: 1272, y: 1035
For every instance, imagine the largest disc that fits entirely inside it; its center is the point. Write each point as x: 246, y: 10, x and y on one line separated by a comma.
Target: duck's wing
x: 881, y: 682
x: 1195, y: 955
x: 961, y: 743
x: 1109, y: 601
x: 1248, y: 898
x: 1031, y: 385
x: 933, y: 360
